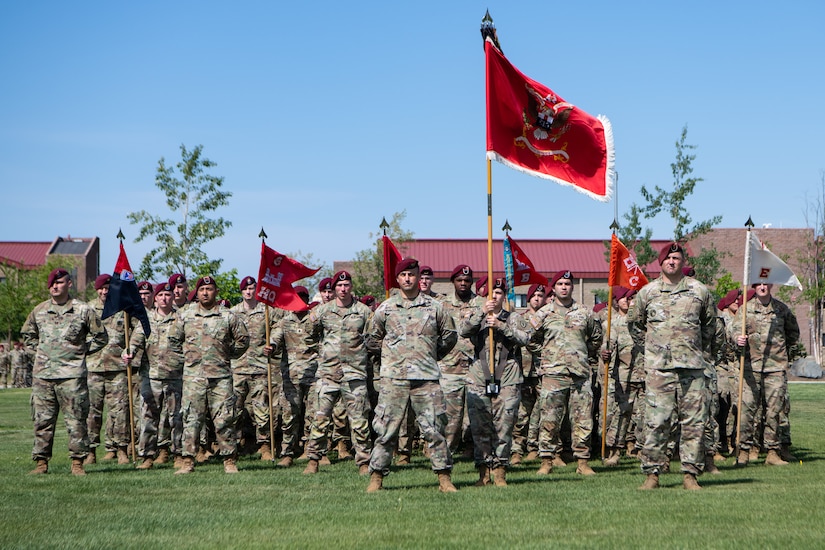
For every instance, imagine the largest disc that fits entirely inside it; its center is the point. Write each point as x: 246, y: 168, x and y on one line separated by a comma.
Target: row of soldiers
x: 419, y: 359
x: 15, y: 367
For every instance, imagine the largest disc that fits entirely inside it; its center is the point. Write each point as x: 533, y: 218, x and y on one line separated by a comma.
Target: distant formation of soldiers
x: 459, y: 373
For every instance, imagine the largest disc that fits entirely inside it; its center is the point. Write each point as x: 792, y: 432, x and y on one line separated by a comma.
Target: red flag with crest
x: 624, y: 271
x: 391, y: 259
x: 523, y: 271
x: 532, y: 129
x: 275, y: 278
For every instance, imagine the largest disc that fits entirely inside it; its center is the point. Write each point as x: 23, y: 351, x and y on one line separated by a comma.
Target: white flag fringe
x: 763, y: 266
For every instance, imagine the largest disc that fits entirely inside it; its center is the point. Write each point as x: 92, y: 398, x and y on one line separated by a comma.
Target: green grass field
x: 263, y: 506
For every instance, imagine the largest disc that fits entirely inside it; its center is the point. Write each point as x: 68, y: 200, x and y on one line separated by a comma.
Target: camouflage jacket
x: 530, y: 360
x: 772, y: 331
x: 341, y: 332
x: 254, y: 361
x: 19, y: 359
x: 60, y: 338
x: 159, y: 357
x: 295, y: 339
x: 210, y: 339
x: 626, y: 357
x: 109, y: 358
x: 676, y: 325
x: 462, y: 355
x: 508, y: 341
x: 411, y: 336
x: 569, y: 339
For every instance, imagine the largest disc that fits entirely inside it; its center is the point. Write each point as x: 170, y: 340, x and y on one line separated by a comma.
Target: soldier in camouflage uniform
x: 340, y: 326
x: 249, y: 371
x: 727, y: 373
x: 412, y: 332
x: 211, y: 336
x: 108, y: 384
x: 455, y: 366
x: 493, y: 411
x: 180, y: 291
x: 161, y: 383
x: 771, y: 332
x: 20, y: 362
x: 674, y: 318
x: 296, y: 340
x: 5, y: 364
x: 569, y: 337
x: 60, y: 333
x: 526, y: 431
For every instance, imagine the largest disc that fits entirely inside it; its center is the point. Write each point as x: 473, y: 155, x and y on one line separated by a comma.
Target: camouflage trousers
x: 712, y: 434
x: 426, y: 398
x: 455, y: 401
x: 109, y: 389
x: 295, y: 400
x: 560, y: 393
x: 356, y: 400
x: 252, y: 402
x: 771, y: 389
x: 213, y: 397
x: 408, y: 432
x: 48, y: 397
x: 526, y: 430
x: 161, y: 425
x: 675, y: 397
x: 340, y: 426
x: 492, y: 420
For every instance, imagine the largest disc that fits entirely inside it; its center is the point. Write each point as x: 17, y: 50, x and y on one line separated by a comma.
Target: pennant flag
x: 533, y: 130
x: 123, y: 293
x: 509, y: 273
x: 275, y: 278
x: 524, y: 272
x: 391, y: 259
x: 624, y: 271
x: 763, y: 266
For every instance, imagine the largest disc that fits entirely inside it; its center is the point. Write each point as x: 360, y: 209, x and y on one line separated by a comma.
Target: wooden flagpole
x: 126, y: 339
x: 263, y: 236
x: 614, y: 226
x: 744, y: 309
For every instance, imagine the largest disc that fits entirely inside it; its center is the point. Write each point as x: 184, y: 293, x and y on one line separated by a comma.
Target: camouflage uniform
x: 342, y: 375
x: 492, y: 418
x: 411, y: 336
x: 61, y: 337
x: 108, y: 385
x: 727, y: 375
x: 250, y: 376
x: 5, y: 366
x: 625, y: 420
x: 568, y: 339
x: 161, y: 386
x: 210, y: 338
x: 454, y: 369
x: 20, y: 364
x: 526, y: 431
x: 299, y: 346
x: 772, y: 331
x: 676, y: 325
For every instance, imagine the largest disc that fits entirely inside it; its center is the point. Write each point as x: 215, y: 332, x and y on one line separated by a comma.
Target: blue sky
x: 323, y: 117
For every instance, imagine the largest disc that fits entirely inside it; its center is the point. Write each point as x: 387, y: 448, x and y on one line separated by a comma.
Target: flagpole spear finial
x: 384, y: 225
x: 262, y: 234
x: 614, y: 226
x: 488, y: 30
x: 120, y: 234
x: 749, y: 223
x: 507, y: 227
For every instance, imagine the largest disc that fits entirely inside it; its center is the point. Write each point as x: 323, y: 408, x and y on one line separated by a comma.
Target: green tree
x: 192, y: 195
x: 812, y: 262
x: 368, y: 266
x: 309, y: 260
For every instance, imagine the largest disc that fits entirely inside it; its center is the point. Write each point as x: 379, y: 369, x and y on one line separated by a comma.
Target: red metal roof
x: 24, y: 254
x: 585, y: 258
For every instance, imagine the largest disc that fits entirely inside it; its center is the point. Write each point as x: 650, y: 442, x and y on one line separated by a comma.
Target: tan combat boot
x: 500, y: 476
x: 559, y: 462
x: 230, y: 465
x: 612, y: 459
x: 584, y: 468
x: 773, y: 459
x: 110, y: 455
x: 531, y: 456
x: 312, y: 467
x: 754, y: 454
x: 77, y: 467
x: 376, y: 482
x: 364, y: 470
x: 285, y: 462
x: 187, y: 465
x: 178, y: 462
x: 402, y: 459
x: 122, y: 456
x: 325, y: 461
x: 266, y: 453
x: 145, y: 465
x: 546, y: 467
x: 91, y: 458
x: 483, y: 476
x: 651, y: 482
x: 631, y: 450
x: 690, y: 483
x: 445, y: 483
x: 163, y: 456
x: 742, y: 458
x: 515, y: 459
x: 785, y: 453
x: 710, y: 465
x: 343, y: 452
x: 41, y: 467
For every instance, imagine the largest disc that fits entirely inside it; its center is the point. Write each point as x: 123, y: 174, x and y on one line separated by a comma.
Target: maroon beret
x: 176, y: 278
x: 668, y: 248
x: 191, y: 297
x: 427, y: 270
x: 342, y: 276
x: 751, y: 294
x: 325, y: 284
x: 729, y: 298
x: 207, y: 280
x: 145, y: 285
x: 563, y: 274
x: 461, y: 270
x: 301, y: 290
x: 225, y: 303
x: 56, y: 274
x: 246, y: 281
x: 481, y: 283
x: 407, y: 264
x: 367, y: 300
x: 501, y: 283
x: 163, y: 287
x: 688, y: 271
x: 620, y: 292
x: 535, y: 287
x: 600, y: 306
x: 102, y: 280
